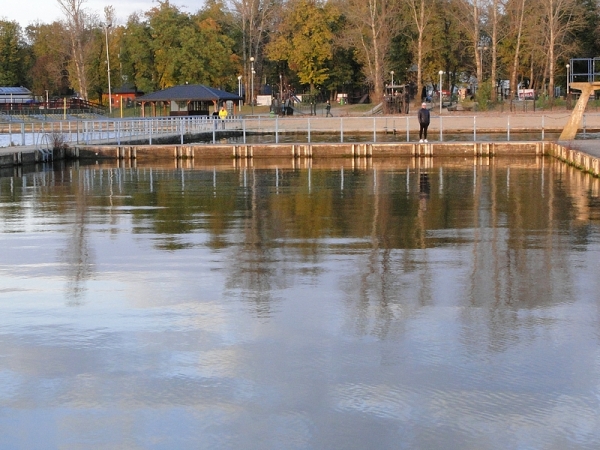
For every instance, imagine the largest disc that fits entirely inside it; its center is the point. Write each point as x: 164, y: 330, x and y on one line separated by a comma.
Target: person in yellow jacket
x: 223, y: 115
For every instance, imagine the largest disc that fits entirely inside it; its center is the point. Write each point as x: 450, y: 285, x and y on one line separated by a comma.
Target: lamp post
x: 392, y: 74
x: 280, y: 102
x: 481, y: 47
x: 280, y: 87
x: 252, y: 84
x: 106, y: 27
x: 240, y: 92
x: 568, y: 65
x: 441, y: 72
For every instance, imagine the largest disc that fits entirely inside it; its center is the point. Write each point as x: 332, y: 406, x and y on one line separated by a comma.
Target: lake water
x: 405, y: 304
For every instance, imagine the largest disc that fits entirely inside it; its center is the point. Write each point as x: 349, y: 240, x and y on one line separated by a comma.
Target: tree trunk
x: 513, y: 73
x: 494, y: 49
x: 476, y: 42
x: 76, y: 28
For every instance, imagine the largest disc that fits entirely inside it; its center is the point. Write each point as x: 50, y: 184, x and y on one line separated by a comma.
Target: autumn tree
x: 50, y: 48
x: 77, y: 26
x: 519, y: 15
x: 419, y: 14
x: 255, y: 20
x: 492, y: 23
x: 304, y: 40
x: 469, y: 14
x: 207, y: 55
x: 171, y: 47
x: 372, y: 26
x: 561, y: 18
x: 449, y: 49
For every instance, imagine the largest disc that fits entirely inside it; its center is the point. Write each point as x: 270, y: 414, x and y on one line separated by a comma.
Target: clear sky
x: 26, y: 12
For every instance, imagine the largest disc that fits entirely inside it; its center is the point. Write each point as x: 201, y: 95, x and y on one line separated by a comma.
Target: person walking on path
x: 223, y: 116
x: 328, y: 109
x: 424, y: 119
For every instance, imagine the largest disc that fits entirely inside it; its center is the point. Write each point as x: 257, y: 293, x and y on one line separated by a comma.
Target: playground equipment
x: 396, y: 99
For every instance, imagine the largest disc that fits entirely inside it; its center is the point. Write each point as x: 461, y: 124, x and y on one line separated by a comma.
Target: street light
x: 280, y: 87
x: 568, y: 65
x: 392, y: 73
x: 106, y: 27
x: 441, y: 72
x: 252, y: 85
x: 481, y: 47
x: 240, y: 92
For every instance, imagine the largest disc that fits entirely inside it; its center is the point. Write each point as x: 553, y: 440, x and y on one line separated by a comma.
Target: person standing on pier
x: 223, y: 115
x: 424, y: 119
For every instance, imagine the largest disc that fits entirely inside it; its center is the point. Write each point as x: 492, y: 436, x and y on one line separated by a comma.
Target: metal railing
x: 306, y: 129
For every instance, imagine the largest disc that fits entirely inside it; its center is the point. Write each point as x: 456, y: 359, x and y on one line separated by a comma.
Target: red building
x: 126, y: 94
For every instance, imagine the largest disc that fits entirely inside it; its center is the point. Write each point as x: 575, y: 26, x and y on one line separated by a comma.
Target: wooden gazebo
x: 188, y: 100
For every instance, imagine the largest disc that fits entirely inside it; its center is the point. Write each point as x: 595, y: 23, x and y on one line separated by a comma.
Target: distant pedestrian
x: 223, y: 116
x: 328, y: 109
x: 424, y: 119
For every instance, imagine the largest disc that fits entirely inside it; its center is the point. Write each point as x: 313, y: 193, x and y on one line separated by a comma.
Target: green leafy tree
x: 207, y: 56
x: 136, y: 54
x: 168, y: 26
x: 13, y: 54
x: 305, y: 40
x: 450, y: 52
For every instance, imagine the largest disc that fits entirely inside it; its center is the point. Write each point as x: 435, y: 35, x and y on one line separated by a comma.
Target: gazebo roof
x: 194, y: 92
x: 127, y: 88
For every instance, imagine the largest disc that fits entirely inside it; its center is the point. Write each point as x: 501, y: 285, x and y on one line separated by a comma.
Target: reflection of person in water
x: 424, y: 189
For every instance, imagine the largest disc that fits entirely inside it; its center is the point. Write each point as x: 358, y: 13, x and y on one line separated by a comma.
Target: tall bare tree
x: 420, y: 13
x: 75, y: 21
x: 468, y: 13
x: 493, y: 23
x: 255, y: 21
x: 561, y: 18
x: 372, y: 26
x: 519, y: 33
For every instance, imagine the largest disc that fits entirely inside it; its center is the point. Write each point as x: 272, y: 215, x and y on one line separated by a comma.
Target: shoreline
x: 585, y: 159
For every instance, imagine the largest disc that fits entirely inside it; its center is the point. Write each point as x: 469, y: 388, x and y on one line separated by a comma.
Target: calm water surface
x: 410, y: 305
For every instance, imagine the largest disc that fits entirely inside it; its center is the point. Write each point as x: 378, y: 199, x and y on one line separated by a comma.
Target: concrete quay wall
x: 587, y: 161
x: 314, y: 150
x: 28, y: 156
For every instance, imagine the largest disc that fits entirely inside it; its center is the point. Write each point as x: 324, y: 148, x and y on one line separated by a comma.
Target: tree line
x: 321, y: 47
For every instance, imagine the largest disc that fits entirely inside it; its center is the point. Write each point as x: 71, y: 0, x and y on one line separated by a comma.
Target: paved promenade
x: 483, y: 122
x: 589, y: 146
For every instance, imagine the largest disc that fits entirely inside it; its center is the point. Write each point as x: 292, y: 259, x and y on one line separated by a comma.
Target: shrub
x: 57, y: 140
x: 484, y: 95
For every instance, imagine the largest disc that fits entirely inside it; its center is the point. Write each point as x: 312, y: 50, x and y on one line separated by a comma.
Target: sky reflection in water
x: 419, y: 304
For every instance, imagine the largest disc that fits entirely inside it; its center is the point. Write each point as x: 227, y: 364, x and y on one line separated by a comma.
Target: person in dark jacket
x: 424, y: 119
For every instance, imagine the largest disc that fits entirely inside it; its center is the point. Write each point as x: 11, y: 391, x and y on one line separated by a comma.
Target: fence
x: 306, y: 129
